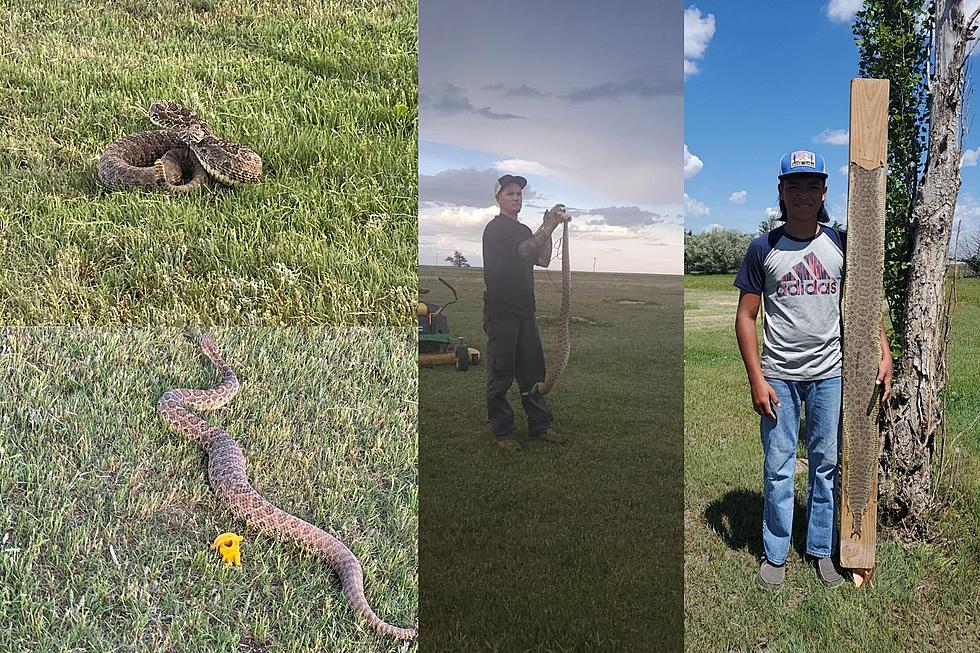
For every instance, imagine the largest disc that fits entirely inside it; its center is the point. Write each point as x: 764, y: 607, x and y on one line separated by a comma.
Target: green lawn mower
x: 436, y: 345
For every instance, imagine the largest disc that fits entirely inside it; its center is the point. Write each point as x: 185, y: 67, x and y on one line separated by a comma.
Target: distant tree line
x: 716, y: 251
x: 720, y: 251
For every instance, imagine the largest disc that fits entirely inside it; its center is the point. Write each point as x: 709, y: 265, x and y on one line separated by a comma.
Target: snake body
x: 178, y: 158
x: 226, y: 472
x: 863, y: 279
x: 564, y: 317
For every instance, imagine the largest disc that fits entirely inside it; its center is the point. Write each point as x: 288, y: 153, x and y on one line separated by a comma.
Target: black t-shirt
x: 508, y: 277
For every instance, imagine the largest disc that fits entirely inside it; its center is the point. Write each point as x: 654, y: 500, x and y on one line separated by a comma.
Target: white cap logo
x: 803, y: 159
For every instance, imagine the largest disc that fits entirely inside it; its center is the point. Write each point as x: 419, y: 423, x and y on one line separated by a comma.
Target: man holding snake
x: 510, y: 252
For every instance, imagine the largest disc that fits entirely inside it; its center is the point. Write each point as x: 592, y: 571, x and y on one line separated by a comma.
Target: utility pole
x: 593, y: 263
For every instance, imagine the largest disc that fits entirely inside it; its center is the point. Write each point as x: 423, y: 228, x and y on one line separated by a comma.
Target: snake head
x: 208, y: 344
x: 192, y: 134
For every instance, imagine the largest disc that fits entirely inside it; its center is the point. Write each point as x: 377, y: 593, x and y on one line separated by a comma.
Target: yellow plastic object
x: 422, y: 309
x: 227, y: 546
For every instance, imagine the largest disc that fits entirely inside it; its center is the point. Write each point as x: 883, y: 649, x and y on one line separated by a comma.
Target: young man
x: 796, y: 271
x: 510, y: 252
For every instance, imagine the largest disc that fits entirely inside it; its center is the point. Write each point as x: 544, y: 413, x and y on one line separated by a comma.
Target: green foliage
x: 972, y: 257
x: 457, y: 260
x: 769, y: 223
x: 717, y: 251
x: 893, y: 41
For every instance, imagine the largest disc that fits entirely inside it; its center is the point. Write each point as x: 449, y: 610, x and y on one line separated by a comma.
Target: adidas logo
x: 808, y: 277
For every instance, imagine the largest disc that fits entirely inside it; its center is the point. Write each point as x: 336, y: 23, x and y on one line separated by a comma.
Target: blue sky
x: 583, y: 99
x: 763, y: 79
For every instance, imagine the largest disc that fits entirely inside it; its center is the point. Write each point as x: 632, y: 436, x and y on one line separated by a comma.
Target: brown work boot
x: 508, y: 442
x: 550, y: 435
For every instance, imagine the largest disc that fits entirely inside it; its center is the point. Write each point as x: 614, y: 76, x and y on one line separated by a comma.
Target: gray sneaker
x: 828, y: 573
x: 772, y: 576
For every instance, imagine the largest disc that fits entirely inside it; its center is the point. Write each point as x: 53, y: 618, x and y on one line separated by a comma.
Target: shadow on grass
x: 737, y: 518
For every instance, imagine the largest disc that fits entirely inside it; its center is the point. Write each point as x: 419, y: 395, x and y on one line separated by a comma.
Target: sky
x: 584, y: 99
x: 763, y: 79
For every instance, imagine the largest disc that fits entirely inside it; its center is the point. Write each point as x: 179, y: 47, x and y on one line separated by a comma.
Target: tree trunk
x: 914, y: 415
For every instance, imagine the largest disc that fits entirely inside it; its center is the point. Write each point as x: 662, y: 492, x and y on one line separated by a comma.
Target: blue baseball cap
x: 802, y: 161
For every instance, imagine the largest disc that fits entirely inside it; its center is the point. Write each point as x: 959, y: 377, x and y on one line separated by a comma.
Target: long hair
x: 822, y: 215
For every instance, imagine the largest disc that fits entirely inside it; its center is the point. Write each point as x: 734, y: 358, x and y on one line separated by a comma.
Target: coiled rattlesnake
x: 177, y: 158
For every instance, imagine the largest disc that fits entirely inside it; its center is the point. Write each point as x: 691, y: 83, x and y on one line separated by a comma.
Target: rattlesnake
x: 564, y: 317
x: 177, y: 158
x: 226, y: 471
x: 861, y: 312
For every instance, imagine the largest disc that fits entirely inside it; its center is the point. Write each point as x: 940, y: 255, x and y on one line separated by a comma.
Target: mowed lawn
x: 107, y: 516
x: 558, y: 548
x: 924, y: 596
x: 325, y: 92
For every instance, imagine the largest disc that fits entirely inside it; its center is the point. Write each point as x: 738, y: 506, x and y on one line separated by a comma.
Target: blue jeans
x: 779, y: 437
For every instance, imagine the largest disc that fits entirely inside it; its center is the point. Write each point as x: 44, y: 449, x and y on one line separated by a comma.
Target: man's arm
x: 544, y: 254
x: 539, y: 245
x: 885, y: 366
x: 748, y: 344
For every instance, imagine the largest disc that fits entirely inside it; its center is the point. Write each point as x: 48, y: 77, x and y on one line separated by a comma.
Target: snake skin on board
x: 861, y: 311
x: 226, y: 472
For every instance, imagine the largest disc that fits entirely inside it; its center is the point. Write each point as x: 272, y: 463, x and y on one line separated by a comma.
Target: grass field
x: 559, y: 548
x: 325, y: 92
x: 106, y: 516
x: 924, y: 597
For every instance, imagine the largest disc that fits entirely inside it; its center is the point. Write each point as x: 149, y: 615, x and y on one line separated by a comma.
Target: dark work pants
x: 514, y: 351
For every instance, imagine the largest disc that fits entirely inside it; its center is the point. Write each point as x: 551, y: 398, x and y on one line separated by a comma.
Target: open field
x: 559, y: 548
x: 325, y: 92
x: 106, y: 516
x: 924, y: 598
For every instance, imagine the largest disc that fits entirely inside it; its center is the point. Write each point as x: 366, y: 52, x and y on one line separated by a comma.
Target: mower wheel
x: 462, y: 358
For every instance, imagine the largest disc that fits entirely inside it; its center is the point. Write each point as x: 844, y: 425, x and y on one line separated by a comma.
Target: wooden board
x: 861, y: 308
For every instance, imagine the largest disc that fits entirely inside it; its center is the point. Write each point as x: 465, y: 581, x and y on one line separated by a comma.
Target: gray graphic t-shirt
x: 800, y: 282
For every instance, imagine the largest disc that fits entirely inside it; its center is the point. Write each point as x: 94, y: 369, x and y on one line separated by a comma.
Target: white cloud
x: 713, y: 227
x: 698, y: 31
x: 970, y: 157
x: 593, y: 231
x: 843, y: 170
x: 738, y: 197
x: 523, y: 167
x: 694, y: 208
x: 692, y: 164
x: 456, y: 219
x: 842, y: 11
x: 832, y: 137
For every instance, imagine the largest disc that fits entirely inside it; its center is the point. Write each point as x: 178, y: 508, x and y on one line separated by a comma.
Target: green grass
x: 924, y: 596
x: 551, y: 548
x: 326, y: 93
x: 106, y: 516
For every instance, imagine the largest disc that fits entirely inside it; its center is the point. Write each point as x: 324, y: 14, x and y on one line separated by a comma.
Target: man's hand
x: 554, y: 217
x: 763, y: 397
x: 885, y: 367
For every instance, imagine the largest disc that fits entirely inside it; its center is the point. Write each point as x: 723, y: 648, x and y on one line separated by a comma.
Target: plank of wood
x: 863, y: 289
